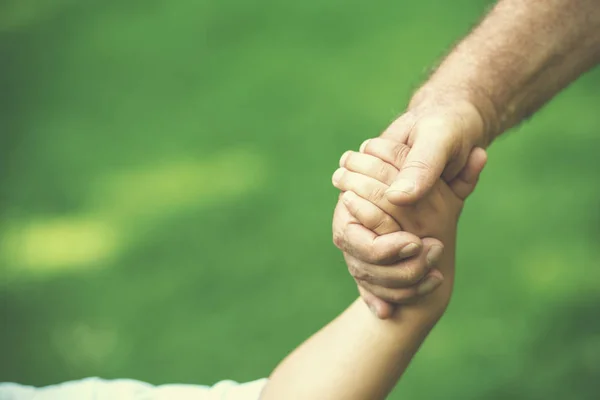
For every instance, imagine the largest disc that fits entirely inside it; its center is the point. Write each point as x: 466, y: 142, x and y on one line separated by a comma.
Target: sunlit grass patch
x: 50, y: 244
x: 123, y: 199
x: 168, y: 187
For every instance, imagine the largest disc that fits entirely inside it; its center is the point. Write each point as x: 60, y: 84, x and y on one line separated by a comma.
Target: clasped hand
x: 399, y: 254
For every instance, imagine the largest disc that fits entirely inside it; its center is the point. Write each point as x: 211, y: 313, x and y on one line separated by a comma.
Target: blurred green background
x: 166, y: 200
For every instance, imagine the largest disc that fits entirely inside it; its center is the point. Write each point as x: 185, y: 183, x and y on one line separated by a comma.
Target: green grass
x: 166, y: 199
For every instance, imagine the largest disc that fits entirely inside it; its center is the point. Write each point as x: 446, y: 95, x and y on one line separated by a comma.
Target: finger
x: 387, y: 150
x: 427, y: 285
x: 368, y: 188
x: 402, y: 274
x: 341, y: 219
x: 362, y: 146
x: 369, y: 165
x: 362, y: 244
x: 378, y: 307
x: 399, y: 130
x: 455, y: 166
x: 464, y: 184
x: 369, y: 215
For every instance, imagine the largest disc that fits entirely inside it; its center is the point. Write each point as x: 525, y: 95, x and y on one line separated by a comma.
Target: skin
x: 520, y: 56
x: 358, y: 356
x: 384, y: 281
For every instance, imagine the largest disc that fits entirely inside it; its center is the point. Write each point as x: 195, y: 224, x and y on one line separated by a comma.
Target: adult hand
x: 379, y: 249
x: 441, y: 133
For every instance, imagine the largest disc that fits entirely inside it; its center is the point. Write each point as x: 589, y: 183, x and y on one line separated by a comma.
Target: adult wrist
x: 467, y: 101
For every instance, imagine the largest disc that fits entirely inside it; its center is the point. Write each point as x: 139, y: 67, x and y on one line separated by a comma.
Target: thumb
x: 424, y: 165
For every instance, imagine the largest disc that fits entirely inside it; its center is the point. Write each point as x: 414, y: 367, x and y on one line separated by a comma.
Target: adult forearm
x: 518, y: 58
x: 355, y: 357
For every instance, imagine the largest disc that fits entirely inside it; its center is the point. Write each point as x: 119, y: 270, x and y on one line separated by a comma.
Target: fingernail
x: 430, y: 283
x: 337, y: 175
x: 402, y: 185
x: 434, y: 255
x: 409, y: 250
x: 344, y: 158
x: 363, y: 146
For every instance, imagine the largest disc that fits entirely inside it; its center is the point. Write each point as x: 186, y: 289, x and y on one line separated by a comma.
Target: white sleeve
x: 126, y: 389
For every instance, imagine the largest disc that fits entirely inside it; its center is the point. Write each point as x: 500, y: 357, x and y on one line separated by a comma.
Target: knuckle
x: 377, y: 195
x: 369, y: 217
x: 400, y: 154
x: 338, y: 239
x: 354, y: 208
x: 433, y: 124
x: 382, y: 172
x: 389, y: 225
x: 352, y: 269
x: 379, y: 224
x: 366, y: 217
x: 358, y: 272
x: 418, y: 165
x: 385, y: 224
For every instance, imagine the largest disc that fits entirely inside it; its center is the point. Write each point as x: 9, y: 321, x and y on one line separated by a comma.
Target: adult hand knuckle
x: 372, y: 220
x: 400, y: 154
x: 432, y: 124
x: 382, y: 171
x: 379, y: 224
x: 418, y: 165
x: 338, y: 239
x: 352, y: 269
x: 359, y: 272
x: 377, y: 195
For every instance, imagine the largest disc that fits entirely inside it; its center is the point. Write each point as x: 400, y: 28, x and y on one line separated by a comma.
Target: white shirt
x: 127, y: 389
